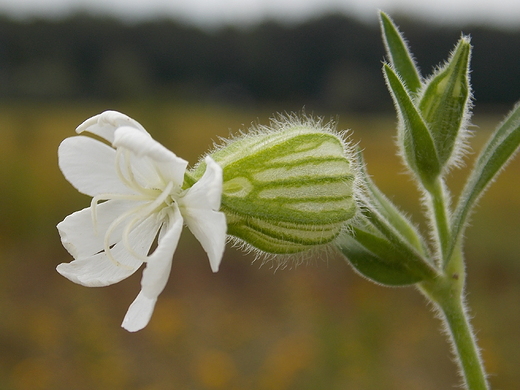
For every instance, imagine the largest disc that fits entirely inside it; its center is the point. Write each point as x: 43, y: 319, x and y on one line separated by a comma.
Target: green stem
x: 448, y: 295
x: 440, y: 211
x: 465, y: 344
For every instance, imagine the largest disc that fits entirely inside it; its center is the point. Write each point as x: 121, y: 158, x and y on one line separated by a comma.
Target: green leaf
x: 380, y: 261
x: 415, y: 139
x: 499, y: 150
x: 386, y: 249
x: 389, y: 210
x: 399, y: 54
x: 387, y: 229
x: 445, y: 103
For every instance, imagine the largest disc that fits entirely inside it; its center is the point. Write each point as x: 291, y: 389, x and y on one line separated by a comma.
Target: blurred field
x: 319, y: 326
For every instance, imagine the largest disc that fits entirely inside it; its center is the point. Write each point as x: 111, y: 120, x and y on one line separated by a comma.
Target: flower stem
x: 441, y: 214
x: 447, y: 293
x: 465, y: 344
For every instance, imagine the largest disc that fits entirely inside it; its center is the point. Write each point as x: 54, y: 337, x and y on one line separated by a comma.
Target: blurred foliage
x: 319, y: 326
x: 332, y: 62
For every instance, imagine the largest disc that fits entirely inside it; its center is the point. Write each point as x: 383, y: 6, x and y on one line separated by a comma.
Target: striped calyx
x: 287, y: 188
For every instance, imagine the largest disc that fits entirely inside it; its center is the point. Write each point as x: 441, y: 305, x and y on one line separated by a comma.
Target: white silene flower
x: 138, y: 200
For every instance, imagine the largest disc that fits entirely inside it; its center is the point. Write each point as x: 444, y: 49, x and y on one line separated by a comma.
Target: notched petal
x: 139, y: 313
x: 83, y: 239
x: 200, y: 210
x: 98, y: 270
x: 158, y: 265
x: 209, y: 227
x: 155, y: 276
x: 142, y: 144
x: 168, y: 165
x: 89, y: 165
x: 207, y: 192
x: 106, y: 123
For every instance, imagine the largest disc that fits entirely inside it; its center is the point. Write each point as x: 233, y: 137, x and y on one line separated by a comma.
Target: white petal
x: 200, y: 205
x: 105, y: 124
x: 169, y: 166
x: 158, y: 266
x: 139, y: 313
x: 209, y: 227
x: 207, y: 192
x: 100, y: 270
x: 155, y: 276
x: 81, y: 238
x: 142, y: 144
x: 89, y: 165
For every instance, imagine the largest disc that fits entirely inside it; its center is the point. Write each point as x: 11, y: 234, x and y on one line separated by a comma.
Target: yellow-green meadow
x: 251, y: 325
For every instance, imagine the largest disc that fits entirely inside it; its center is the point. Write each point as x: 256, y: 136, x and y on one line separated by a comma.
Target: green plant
x: 433, y: 115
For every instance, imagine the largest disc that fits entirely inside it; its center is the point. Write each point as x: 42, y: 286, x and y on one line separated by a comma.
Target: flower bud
x: 445, y: 105
x: 287, y: 188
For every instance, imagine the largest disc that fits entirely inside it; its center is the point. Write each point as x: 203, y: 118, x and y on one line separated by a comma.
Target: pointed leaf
x: 399, y: 54
x: 415, y: 140
x: 445, y: 103
x: 379, y: 260
x: 502, y: 146
x: 388, y: 231
x: 381, y: 253
x: 388, y: 210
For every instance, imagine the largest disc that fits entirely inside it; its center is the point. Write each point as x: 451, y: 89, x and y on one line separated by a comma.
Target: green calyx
x: 288, y: 188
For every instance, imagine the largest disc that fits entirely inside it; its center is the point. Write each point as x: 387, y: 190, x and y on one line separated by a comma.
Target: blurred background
x: 191, y: 71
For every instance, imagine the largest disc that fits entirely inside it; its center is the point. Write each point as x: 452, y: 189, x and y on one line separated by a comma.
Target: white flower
x: 136, y: 185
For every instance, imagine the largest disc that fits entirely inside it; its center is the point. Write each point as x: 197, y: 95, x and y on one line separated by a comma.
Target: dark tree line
x: 333, y: 61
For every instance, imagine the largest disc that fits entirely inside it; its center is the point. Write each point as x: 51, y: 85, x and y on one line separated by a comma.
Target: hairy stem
x: 447, y: 293
x: 439, y: 206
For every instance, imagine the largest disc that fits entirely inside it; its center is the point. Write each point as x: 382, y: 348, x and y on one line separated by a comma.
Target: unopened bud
x: 445, y: 105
